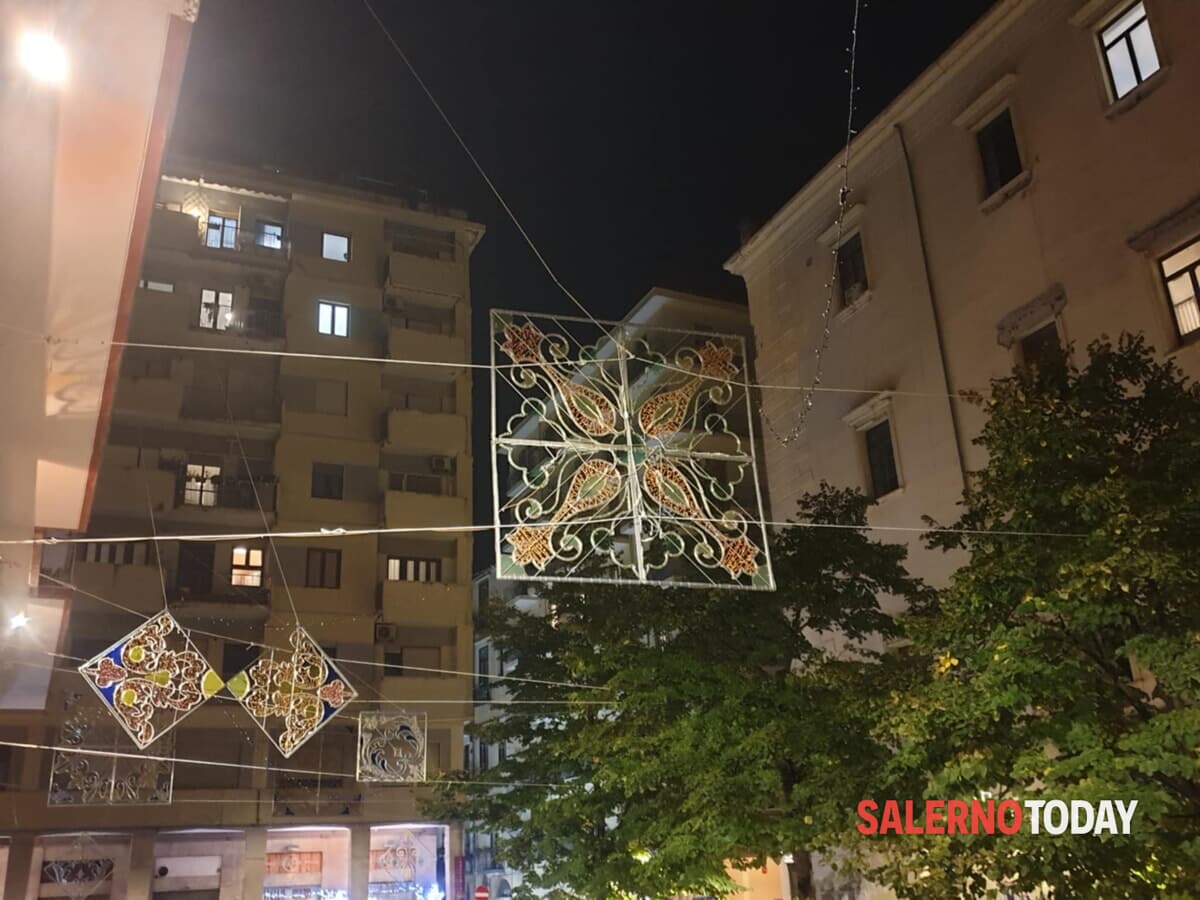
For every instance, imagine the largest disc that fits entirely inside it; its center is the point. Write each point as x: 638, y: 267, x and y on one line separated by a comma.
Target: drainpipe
x: 933, y: 306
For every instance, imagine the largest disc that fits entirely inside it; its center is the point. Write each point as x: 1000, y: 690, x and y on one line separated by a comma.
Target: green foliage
x: 708, y: 726
x: 1038, y: 652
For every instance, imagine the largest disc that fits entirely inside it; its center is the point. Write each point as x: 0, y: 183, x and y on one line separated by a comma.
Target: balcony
x: 426, y: 603
x: 435, y: 280
x: 408, y: 343
x: 411, y: 430
x: 409, y: 507
x: 172, y: 230
x: 214, y: 402
x: 137, y: 586
x: 147, y: 396
x: 429, y: 688
x: 232, y: 602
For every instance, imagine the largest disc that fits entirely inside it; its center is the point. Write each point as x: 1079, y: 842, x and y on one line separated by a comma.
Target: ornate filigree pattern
x: 77, y: 870
x: 102, y: 777
x: 152, y: 678
x: 624, y: 454
x: 391, y: 746
x: 292, y: 695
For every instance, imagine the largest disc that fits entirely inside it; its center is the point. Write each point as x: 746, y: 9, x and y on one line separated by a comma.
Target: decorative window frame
x: 981, y: 111
x: 867, y: 415
x: 1092, y: 17
x: 1156, y: 241
x: 1027, y: 318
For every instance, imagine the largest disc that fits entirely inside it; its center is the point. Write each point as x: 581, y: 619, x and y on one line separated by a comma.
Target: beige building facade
x: 294, y: 363
x: 1038, y: 183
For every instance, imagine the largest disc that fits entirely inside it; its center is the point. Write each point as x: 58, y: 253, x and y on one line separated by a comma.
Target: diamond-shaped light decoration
x: 391, y: 746
x: 152, y: 678
x: 624, y: 453
x: 292, y: 695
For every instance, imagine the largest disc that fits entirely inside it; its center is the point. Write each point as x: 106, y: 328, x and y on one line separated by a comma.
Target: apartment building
x: 363, y: 423
x: 1036, y: 185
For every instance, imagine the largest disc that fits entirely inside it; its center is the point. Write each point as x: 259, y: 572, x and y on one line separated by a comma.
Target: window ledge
x: 1138, y: 94
x: 884, y: 498
x: 847, y: 312
x: 1004, y: 194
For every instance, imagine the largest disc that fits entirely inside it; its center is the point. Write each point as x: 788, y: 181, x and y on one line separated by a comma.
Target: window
x: 485, y: 756
x: 246, y: 567
x: 328, y: 480
x: 335, y: 246
x: 881, y: 459
x: 407, y: 568
x: 413, y: 661
x: 216, y: 309
x: 1179, y: 272
x: 163, y: 287
x: 999, y: 153
x: 851, y: 270
x: 482, y: 666
x: 329, y: 397
x: 131, y: 553
x: 323, y: 569
x: 269, y: 234
x: 222, y: 231
x: 333, y: 318
x: 1129, y: 53
x: 1040, y: 345
x: 200, y: 485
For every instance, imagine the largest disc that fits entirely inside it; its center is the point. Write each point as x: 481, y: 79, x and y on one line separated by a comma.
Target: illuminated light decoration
x: 43, y: 57
x: 93, y: 779
x: 152, y: 678
x: 18, y: 620
x: 400, y: 868
x: 392, y: 746
x: 292, y: 696
x: 77, y: 871
x: 624, y: 454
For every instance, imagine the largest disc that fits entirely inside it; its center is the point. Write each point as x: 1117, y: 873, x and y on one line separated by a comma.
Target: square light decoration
x: 152, y: 678
x: 292, y: 695
x: 624, y: 454
x: 392, y: 746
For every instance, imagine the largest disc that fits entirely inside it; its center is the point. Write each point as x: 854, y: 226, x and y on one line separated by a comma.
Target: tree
x: 1066, y: 664
x: 708, y: 725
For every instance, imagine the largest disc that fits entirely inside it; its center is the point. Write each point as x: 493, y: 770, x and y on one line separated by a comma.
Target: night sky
x: 635, y: 140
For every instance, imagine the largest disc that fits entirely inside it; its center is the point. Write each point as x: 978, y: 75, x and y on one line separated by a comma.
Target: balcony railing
x: 201, y: 401
x: 441, y: 485
x: 245, y: 240
x: 225, y: 493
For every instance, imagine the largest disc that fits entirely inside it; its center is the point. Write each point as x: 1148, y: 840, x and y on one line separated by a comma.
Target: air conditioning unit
x: 440, y: 463
x: 385, y: 632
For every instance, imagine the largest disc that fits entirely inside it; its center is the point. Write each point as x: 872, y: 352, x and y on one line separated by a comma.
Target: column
x: 140, y: 880
x: 254, y: 864
x: 18, y: 874
x: 360, y: 861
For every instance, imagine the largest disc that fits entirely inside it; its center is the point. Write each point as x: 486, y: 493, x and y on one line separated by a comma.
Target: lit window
x: 270, y: 235
x: 851, y: 270
x: 333, y: 318
x: 328, y: 480
x: 407, y: 568
x: 1129, y: 52
x: 216, y: 309
x: 163, y: 287
x: 998, y: 152
x: 881, y: 459
x: 323, y: 569
x: 1179, y: 272
x: 200, y: 485
x: 335, y: 246
x: 246, y: 567
x: 222, y: 231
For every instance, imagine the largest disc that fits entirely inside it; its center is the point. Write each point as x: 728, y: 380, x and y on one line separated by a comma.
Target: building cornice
x: 823, y: 186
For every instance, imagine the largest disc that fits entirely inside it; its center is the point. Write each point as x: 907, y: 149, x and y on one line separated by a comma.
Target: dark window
x: 1041, y: 345
x: 485, y: 761
x: 1129, y: 52
x: 881, y: 459
x: 221, y: 232
x: 237, y: 658
x: 324, y: 569
x: 327, y: 480
x: 482, y: 666
x: 409, y: 568
x: 998, y: 150
x: 502, y: 753
x: 852, y: 270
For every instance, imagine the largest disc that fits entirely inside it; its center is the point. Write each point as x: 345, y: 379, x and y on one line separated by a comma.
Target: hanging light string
x: 454, y: 529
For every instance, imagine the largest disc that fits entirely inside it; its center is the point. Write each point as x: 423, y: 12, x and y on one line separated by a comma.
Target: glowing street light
x: 43, y: 57
x: 19, y: 620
